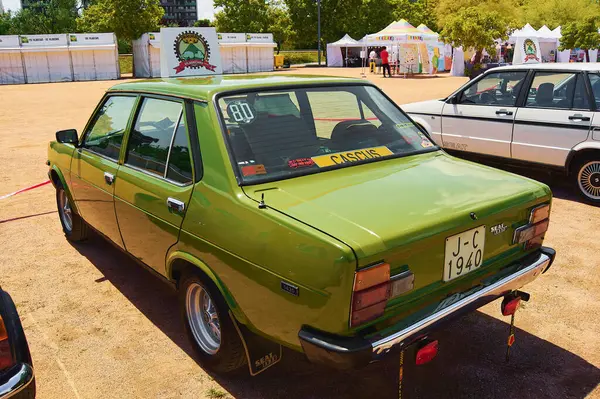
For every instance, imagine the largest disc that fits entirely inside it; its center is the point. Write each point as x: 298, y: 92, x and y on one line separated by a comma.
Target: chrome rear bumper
x: 350, y: 352
x: 14, y: 379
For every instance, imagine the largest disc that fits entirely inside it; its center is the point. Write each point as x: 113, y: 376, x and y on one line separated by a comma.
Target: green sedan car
x: 305, y: 212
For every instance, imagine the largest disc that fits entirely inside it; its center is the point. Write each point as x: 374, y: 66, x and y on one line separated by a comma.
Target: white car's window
x: 595, y: 82
x: 500, y: 88
x: 557, y: 90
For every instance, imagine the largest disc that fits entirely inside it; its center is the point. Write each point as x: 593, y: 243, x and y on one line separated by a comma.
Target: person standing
x: 385, y: 62
x: 372, y: 58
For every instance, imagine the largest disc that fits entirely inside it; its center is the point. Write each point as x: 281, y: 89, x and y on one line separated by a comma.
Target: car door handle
x: 109, y: 178
x: 504, y: 112
x: 175, y: 205
x: 579, y: 117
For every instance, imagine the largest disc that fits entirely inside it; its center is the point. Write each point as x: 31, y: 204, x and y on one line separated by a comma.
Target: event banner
x: 527, y: 51
x: 231, y: 37
x: 425, y: 60
x: 90, y: 39
x: 259, y: 37
x: 189, y: 52
x: 10, y: 42
x: 43, y: 40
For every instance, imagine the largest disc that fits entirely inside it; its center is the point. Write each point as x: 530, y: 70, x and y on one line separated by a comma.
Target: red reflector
x: 510, y: 306
x: 370, y: 296
x: 367, y: 314
x: 427, y: 353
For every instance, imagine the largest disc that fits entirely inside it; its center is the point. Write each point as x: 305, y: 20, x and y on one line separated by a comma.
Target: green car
x: 305, y: 212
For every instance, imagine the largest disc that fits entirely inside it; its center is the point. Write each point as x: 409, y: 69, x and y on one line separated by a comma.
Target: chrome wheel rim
x: 589, y: 180
x: 66, y: 214
x: 203, y: 318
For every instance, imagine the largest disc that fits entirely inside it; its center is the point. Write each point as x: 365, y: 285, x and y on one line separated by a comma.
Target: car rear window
x: 278, y: 134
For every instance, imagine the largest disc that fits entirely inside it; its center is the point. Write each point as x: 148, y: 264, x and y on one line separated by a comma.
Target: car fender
x: 584, y: 146
x: 421, y: 121
x: 210, y: 274
x: 55, y: 169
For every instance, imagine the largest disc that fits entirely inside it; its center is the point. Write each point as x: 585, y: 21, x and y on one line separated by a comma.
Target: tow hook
x: 509, y: 306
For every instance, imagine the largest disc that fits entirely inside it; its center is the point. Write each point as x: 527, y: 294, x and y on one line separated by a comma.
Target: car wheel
x: 586, y: 176
x: 73, y: 225
x: 209, y: 326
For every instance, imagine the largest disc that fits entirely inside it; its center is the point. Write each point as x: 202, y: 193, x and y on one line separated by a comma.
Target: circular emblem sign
x: 192, y: 51
x: 530, y: 50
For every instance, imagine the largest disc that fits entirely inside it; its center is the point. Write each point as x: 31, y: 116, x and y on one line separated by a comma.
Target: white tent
x: 94, y: 56
x: 260, y: 52
x: 234, y: 57
x: 12, y: 69
x: 146, y: 56
x: 335, y: 58
x: 46, y: 58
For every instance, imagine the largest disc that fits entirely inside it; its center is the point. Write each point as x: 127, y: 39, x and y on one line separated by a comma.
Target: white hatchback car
x: 544, y: 115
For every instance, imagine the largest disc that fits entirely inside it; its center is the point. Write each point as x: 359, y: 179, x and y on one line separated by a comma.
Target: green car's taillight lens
x: 371, y: 291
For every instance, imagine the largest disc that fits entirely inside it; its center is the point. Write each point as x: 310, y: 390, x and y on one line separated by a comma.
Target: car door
x: 480, y: 118
x: 95, y: 164
x: 556, y: 116
x: 154, y: 184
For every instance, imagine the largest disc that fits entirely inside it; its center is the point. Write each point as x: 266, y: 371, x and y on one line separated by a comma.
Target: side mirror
x: 68, y: 136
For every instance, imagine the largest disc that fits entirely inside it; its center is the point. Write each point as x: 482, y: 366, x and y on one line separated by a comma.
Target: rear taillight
x: 532, y: 234
x: 426, y: 353
x: 6, y: 358
x: 371, y: 292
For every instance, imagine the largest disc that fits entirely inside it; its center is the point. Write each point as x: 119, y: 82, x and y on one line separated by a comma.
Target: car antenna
x: 261, y: 204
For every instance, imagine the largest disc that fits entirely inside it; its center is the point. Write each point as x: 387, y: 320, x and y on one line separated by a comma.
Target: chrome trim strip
x: 502, y: 287
x: 21, y: 377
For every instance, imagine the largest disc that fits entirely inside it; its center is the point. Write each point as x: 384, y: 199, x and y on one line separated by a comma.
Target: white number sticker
x: 241, y: 112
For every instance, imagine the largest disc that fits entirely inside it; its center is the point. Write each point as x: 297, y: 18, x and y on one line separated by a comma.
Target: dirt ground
x: 100, y: 326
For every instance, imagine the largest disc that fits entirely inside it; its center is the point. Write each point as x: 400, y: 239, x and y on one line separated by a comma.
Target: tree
x: 582, y: 34
x: 203, y: 23
x: 556, y: 12
x: 242, y: 16
x: 53, y: 16
x: 509, y: 10
x: 128, y: 19
x: 280, y: 25
x: 416, y: 12
x: 5, y: 23
x: 475, y: 27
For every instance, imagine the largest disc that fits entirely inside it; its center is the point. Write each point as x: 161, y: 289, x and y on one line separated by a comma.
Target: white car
x: 544, y: 115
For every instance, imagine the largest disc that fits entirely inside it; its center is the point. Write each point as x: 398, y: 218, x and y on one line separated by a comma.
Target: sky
x: 205, y: 7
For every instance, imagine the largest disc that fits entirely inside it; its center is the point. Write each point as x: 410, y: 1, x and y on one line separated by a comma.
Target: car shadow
x: 471, y: 362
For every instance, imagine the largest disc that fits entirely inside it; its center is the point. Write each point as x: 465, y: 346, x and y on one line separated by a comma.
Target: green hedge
x: 301, y: 57
x: 126, y: 63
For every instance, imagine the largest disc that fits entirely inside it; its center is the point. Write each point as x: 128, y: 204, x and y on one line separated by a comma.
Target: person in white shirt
x: 372, y: 58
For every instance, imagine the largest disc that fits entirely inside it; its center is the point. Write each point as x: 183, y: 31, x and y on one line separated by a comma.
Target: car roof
x: 203, y: 88
x: 562, y: 66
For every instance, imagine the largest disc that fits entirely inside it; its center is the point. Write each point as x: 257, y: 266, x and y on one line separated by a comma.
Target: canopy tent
x: 335, y: 58
x: 94, y: 56
x: 406, y: 43
x: 12, y: 69
x: 260, y: 50
x: 146, y: 56
x: 234, y: 56
x: 46, y: 58
x: 427, y: 33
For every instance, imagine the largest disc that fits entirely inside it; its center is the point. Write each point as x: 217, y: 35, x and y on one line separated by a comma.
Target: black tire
x: 230, y: 355
x: 585, y: 178
x: 78, y: 231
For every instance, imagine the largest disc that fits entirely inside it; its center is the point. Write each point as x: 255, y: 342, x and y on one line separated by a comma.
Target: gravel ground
x: 100, y: 326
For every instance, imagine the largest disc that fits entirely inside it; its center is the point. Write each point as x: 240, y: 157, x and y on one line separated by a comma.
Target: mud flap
x: 261, y: 353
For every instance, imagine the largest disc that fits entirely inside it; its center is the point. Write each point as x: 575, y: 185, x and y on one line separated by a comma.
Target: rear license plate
x: 464, y: 253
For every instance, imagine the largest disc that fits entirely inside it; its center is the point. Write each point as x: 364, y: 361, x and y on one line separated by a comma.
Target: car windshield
x: 278, y: 134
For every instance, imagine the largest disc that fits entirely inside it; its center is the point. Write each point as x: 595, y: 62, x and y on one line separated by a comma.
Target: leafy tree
x: 53, y: 16
x: 416, y: 12
x: 203, y: 23
x: 242, y: 16
x: 582, y: 34
x: 556, y: 12
x: 475, y: 27
x: 5, y: 23
x: 280, y: 25
x: 508, y: 10
x: 128, y: 19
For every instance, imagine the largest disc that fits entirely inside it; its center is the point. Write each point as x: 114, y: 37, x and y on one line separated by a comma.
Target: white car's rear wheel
x: 587, y: 176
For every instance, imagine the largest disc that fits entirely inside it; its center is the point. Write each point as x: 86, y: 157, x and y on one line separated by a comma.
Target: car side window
x: 105, y: 134
x: 557, y: 90
x: 595, y: 83
x: 151, y: 140
x: 500, y: 88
